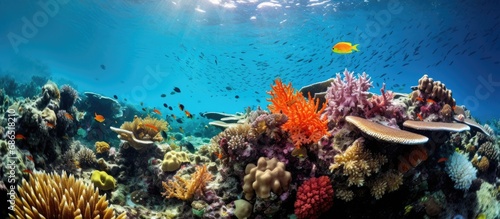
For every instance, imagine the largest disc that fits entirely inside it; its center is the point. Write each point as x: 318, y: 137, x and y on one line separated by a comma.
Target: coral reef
x: 314, y: 197
x: 185, y: 189
x: 60, y: 196
x: 304, y: 124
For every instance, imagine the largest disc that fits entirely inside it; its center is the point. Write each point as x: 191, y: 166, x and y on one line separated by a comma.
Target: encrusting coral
x: 102, y: 180
x: 358, y: 163
x: 172, y: 160
x: 304, y: 124
x: 60, y: 196
x: 185, y: 189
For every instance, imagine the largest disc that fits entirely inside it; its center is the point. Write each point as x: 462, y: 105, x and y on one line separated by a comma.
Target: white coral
x: 460, y: 171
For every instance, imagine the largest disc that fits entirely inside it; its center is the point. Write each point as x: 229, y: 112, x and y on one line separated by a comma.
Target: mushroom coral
x: 304, y: 124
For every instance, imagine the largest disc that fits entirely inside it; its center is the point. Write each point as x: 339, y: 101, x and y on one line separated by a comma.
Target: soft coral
x: 304, y: 123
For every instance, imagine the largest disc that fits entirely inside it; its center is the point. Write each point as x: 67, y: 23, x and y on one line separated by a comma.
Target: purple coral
x: 348, y: 96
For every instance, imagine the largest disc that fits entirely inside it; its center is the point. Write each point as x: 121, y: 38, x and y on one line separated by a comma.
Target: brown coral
x: 481, y: 162
x: 268, y: 175
x: 489, y: 150
x: 60, y: 196
x: 435, y: 90
x: 185, y: 189
x: 386, y: 182
x: 86, y: 157
x: 358, y: 163
x: 101, y: 147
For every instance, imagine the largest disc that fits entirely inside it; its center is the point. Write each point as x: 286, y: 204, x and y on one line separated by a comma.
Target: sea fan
x: 460, y: 171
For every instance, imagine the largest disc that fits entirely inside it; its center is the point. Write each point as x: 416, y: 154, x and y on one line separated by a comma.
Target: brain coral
x: 314, y: 197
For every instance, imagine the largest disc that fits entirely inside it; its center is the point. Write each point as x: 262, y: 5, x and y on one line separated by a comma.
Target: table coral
x: 304, y: 124
x: 185, y: 189
x: 314, y: 197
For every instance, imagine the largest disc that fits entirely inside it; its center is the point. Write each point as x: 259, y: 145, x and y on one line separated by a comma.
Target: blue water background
x: 217, y: 50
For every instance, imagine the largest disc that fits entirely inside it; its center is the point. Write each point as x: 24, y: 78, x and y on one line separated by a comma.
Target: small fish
x: 68, y: 116
x: 50, y: 125
x: 103, y: 67
x: 176, y: 89
x: 142, y: 104
x: 98, y: 117
x: 442, y: 159
x: 114, y: 96
x: 181, y: 107
x: 30, y: 158
x: 125, y: 99
x: 218, y: 155
x: 236, y: 96
x: 431, y: 101
x: 144, y: 109
x: 188, y: 114
x: 173, y: 116
x: 179, y: 120
x: 181, y: 130
x: 156, y: 111
x: 190, y: 147
x: 165, y: 105
x: 172, y: 93
x: 164, y: 134
x: 170, y: 108
x: 299, y: 152
x: 163, y: 95
x: 20, y: 137
x: 28, y: 171
x: 151, y: 127
x: 344, y: 48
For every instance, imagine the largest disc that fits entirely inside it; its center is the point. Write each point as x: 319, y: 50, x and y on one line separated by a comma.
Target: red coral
x: 314, y: 197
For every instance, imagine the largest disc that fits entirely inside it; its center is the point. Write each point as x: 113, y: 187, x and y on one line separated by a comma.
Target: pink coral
x: 314, y: 197
x: 348, y: 96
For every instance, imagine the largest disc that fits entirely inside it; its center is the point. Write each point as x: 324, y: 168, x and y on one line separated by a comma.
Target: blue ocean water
x: 224, y: 55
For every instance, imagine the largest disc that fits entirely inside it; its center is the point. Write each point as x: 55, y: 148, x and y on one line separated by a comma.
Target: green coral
x: 102, y: 180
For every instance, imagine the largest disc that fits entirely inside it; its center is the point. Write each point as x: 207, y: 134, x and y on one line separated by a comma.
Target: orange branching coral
x: 185, y: 189
x: 304, y: 124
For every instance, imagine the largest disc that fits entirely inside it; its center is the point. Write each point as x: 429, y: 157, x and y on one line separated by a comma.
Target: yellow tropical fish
x: 344, y: 48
